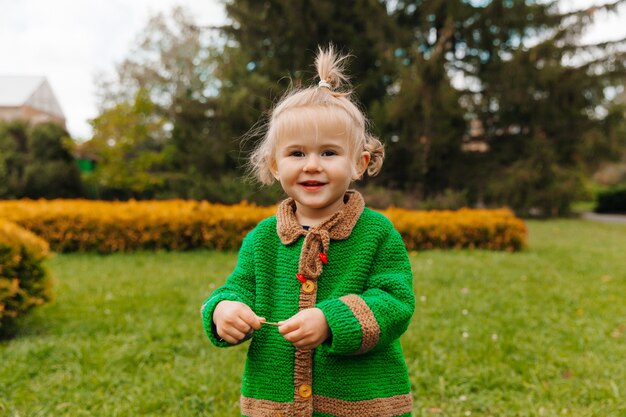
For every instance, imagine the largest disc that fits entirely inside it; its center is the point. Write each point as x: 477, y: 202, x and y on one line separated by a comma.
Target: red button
x: 324, y: 258
x: 301, y: 278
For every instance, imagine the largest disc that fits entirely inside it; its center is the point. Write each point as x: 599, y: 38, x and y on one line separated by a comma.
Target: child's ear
x: 274, y: 170
x: 362, y: 163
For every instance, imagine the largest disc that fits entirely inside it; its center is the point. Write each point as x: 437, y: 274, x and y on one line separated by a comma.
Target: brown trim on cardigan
x: 303, y: 362
x: 377, y: 407
x: 370, y: 330
x: 316, y: 240
x: 252, y: 407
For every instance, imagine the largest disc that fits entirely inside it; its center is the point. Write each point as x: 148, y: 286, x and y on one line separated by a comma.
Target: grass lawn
x: 536, y: 333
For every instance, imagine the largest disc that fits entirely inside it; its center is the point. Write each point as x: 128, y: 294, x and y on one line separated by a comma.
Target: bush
x: 535, y: 189
x: 106, y: 227
x: 381, y: 197
x: 612, y: 201
x: 465, y: 228
x: 81, y: 225
x: 24, y: 282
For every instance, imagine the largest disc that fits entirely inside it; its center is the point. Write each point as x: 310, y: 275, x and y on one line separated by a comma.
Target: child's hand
x: 306, y: 330
x: 235, y: 320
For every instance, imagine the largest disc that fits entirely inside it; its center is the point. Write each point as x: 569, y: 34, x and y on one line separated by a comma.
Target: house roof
x: 19, y: 90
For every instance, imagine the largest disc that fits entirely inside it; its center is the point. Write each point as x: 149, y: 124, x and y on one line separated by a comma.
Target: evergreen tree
x: 520, y: 71
x: 401, y: 80
x: 271, y: 46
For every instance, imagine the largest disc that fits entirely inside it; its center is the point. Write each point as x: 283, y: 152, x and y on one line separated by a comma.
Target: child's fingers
x: 299, y: 334
x: 294, y: 333
x: 288, y: 326
x: 299, y: 321
x: 293, y: 337
x: 251, y: 319
x: 245, y: 327
x: 307, y: 346
x: 303, y: 343
x: 232, y: 336
x: 258, y: 323
x: 235, y: 328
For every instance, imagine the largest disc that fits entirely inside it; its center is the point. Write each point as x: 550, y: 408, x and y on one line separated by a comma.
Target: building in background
x: 29, y: 98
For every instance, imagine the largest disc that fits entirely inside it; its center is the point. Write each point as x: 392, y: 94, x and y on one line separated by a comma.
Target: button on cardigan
x: 363, y: 284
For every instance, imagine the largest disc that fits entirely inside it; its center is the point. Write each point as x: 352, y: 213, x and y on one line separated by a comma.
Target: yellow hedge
x: 14, y: 236
x: 81, y: 225
x: 24, y: 282
x: 466, y: 228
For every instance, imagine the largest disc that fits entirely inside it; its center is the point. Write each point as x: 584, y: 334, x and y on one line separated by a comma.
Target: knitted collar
x: 317, y: 239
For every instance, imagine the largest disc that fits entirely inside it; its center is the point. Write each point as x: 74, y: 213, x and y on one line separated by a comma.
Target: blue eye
x: 329, y: 153
x: 297, y: 154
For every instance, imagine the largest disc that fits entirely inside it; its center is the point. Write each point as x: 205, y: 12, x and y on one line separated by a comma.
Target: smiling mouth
x: 312, y: 184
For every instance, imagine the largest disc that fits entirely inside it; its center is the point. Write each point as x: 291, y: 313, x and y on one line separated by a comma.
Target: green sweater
x: 365, y: 292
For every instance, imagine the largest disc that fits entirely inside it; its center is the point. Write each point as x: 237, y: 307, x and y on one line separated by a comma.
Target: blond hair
x: 315, y: 103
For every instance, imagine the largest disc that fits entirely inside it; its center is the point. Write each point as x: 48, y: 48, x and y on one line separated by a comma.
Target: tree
x: 155, y: 130
x: 36, y: 162
x: 129, y: 139
x: 521, y: 77
x: 13, y: 157
x: 437, y: 77
x: 423, y: 112
x: 271, y: 45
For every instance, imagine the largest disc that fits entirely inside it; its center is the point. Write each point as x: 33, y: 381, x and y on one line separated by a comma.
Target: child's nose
x: 312, y: 163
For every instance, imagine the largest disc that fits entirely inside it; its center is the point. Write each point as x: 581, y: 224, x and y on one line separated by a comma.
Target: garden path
x: 608, y: 218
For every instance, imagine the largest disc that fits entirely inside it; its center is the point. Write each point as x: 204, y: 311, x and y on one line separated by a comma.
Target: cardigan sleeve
x: 239, y: 286
x: 379, y: 315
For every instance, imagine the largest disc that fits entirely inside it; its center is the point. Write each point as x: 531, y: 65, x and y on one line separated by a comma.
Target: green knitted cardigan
x: 363, y: 284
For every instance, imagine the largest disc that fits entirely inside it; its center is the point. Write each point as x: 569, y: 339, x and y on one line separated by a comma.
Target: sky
x: 72, y: 42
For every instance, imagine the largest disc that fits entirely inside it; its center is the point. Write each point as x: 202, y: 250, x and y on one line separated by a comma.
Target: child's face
x: 315, y: 166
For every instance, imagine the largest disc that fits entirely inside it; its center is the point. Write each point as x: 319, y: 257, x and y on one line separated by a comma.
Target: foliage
x: 36, y: 162
x: 272, y: 45
x: 614, y: 172
x: 228, y: 188
x: 81, y: 225
x: 156, y: 135
x: 517, y: 68
x: 465, y: 228
x: 129, y: 140
x: 612, y: 200
x: 24, y: 282
x: 380, y: 198
x: 106, y: 227
x: 533, y: 91
x: 538, y: 185
x: 497, y: 101
x: 535, y: 333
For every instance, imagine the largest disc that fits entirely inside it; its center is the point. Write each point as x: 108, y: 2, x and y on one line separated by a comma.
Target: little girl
x: 324, y: 287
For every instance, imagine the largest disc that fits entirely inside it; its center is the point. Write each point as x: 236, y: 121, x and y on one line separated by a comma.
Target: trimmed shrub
x: 24, y: 282
x: 106, y: 227
x: 612, y: 201
x: 80, y: 225
x: 496, y: 229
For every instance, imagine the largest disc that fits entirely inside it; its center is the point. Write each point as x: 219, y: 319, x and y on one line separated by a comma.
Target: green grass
x: 537, y: 333
x: 583, y: 206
